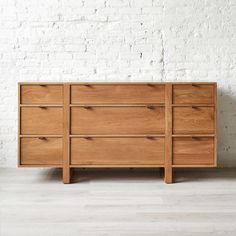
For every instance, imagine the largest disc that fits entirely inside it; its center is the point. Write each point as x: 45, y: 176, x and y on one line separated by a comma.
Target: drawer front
x: 44, y: 94
x: 123, y: 94
x: 193, y: 120
x: 43, y: 151
x: 201, y: 94
x: 35, y: 120
x: 117, y: 151
x: 117, y: 120
x: 193, y: 151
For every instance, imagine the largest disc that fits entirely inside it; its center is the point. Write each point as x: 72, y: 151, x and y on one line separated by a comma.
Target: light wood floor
x: 117, y: 202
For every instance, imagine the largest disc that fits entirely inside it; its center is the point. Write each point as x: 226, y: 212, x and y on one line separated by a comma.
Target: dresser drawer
x: 41, y: 94
x: 41, y: 151
x: 193, y: 151
x: 117, y: 120
x: 45, y: 120
x: 190, y: 94
x: 193, y: 120
x: 120, y: 94
x: 117, y: 151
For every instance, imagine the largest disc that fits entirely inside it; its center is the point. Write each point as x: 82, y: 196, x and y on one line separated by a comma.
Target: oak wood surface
x: 117, y: 151
x: 36, y: 120
x: 111, y: 94
x: 193, y: 151
x: 106, y: 83
x: 41, y: 151
x: 114, y: 124
x: 117, y: 120
x: 193, y: 120
x: 18, y: 126
x: 215, y: 126
x: 47, y: 94
x: 168, y: 135
x: 193, y: 94
x: 116, y: 135
x: 89, y: 166
x: 66, y: 133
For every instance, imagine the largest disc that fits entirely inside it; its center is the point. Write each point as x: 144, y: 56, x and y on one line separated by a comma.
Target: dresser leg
x: 162, y: 171
x: 168, y: 175
x: 66, y: 175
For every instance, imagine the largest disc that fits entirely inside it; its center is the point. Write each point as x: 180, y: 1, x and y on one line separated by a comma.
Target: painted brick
x: 118, y: 40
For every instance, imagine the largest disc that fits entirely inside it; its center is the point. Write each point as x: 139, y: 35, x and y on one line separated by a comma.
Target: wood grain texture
x: 118, y: 202
x: 193, y: 120
x: 215, y: 126
x: 18, y: 126
x: 41, y: 151
x: 47, y: 94
x: 36, y: 120
x: 115, y: 83
x: 119, y: 125
x: 112, y: 94
x: 117, y: 120
x: 117, y: 151
x: 66, y: 133
x: 202, y: 94
x: 168, y: 135
x: 193, y: 151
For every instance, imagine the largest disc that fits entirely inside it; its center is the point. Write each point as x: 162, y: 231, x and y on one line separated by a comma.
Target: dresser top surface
x: 115, y: 83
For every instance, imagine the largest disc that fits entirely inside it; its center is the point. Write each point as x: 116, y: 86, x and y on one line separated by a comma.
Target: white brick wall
x: 118, y: 40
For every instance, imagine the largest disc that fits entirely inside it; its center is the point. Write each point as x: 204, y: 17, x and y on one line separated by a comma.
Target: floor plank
x: 117, y: 202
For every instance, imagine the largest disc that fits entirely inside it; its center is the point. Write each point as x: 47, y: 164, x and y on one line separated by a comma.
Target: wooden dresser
x: 71, y: 125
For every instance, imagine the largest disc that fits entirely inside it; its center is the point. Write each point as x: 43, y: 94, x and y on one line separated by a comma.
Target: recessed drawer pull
x: 150, y: 137
x: 42, y: 138
x: 194, y: 107
x: 195, y: 85
x: 42, y: 107
x: 151, y: 85
x: 151, y: 107
x: 42, y: 94
x: 88, y: 138
x: 88, y: 85
x: 88, y: 107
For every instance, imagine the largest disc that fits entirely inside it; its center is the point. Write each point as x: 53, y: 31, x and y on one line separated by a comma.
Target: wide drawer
x: 193, y: 151
x: 117, y: 120
x: 41, y: 151
x: 45, y: 120
x: 117, y: 151
x: 193, y: 120
x: 41, y: 94
x: 112, y: 94
x: 190, y: 94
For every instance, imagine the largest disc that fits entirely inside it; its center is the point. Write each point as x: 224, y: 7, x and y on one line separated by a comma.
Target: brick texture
x: 118, y: 40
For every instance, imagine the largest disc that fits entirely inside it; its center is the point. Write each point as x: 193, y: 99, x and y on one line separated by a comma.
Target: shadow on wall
x: 226, y: 128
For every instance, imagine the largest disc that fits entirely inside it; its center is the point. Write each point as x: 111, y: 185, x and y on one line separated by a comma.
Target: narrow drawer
x: 41, y: 151
x: 45, y: 120
x: 120, y: 94
x: 117, y: 120
x: 190, y: 94
x: 117, y: 151
x: 41, y: 94
x: 193, y: 120
x: 193, y: 151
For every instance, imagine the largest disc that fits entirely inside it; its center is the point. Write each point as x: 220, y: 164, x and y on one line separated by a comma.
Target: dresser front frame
x: 66, y: 135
